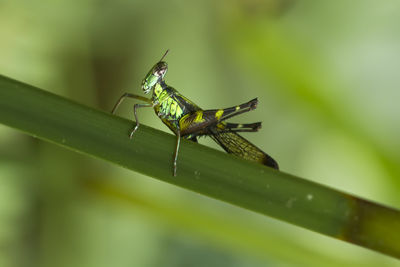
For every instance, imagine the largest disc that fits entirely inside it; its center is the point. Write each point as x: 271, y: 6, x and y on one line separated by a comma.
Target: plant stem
x: 201, y: 169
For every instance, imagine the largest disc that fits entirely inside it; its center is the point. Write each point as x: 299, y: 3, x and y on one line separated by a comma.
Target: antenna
x: 166, y: 52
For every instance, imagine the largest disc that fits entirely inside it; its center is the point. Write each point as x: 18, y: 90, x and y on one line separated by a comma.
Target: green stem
x: 201, y: 169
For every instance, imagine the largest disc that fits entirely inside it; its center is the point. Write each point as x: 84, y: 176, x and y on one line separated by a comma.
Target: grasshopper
x: 187, y: 120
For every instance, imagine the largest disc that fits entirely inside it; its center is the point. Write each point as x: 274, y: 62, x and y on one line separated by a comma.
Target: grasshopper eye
x: 160, y: 69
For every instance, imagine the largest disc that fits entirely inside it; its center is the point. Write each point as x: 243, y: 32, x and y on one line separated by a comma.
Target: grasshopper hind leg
x: 239, y: 127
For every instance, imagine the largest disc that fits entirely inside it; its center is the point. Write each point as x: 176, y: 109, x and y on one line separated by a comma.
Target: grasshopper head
x: 155, y: 75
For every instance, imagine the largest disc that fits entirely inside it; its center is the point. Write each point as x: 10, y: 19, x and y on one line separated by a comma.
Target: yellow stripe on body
x: 189, y: 119
x: 157, y: 90
x: 221, y: 125
x: 218, y: 114
x: 173, y: 108
x: 199, y: 116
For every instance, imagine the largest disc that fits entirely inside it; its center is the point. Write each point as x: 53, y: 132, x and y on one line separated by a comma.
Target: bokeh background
x: 327, y: 77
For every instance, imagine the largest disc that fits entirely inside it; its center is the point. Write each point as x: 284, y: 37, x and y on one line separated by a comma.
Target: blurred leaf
x: 240, y: 234
x: 270, y: 50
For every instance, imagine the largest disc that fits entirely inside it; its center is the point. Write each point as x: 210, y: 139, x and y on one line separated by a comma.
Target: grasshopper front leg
x: 135, y: 107
x: 124, y: 96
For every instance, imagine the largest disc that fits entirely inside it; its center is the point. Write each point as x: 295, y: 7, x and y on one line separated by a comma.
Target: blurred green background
x: 326, y: 74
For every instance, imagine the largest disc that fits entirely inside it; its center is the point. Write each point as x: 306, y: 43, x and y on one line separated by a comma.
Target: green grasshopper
x: 189, y: 121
